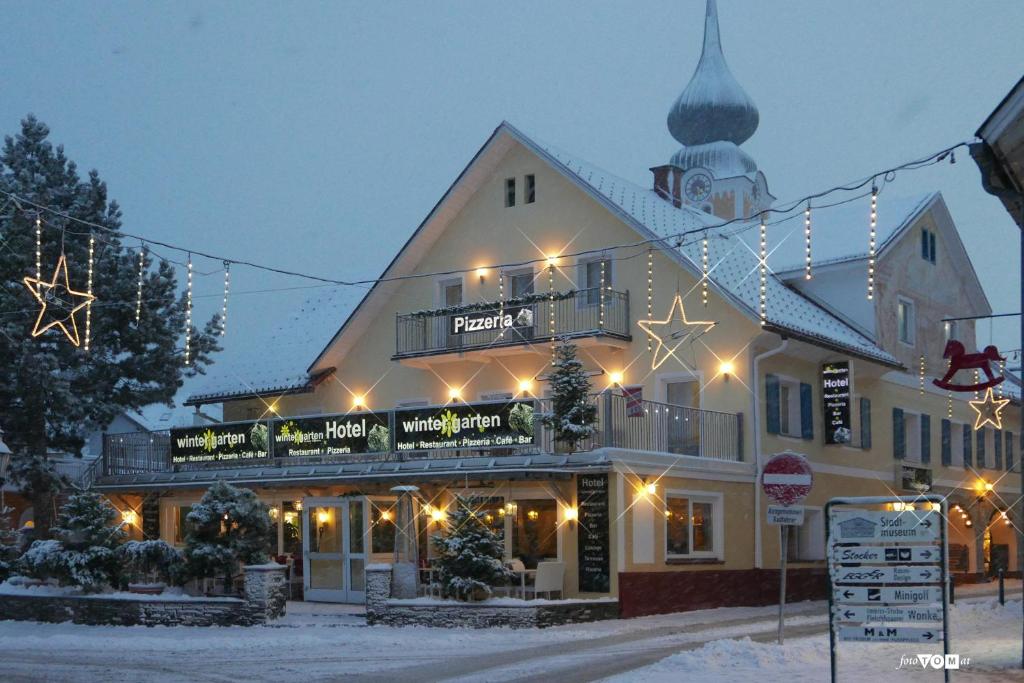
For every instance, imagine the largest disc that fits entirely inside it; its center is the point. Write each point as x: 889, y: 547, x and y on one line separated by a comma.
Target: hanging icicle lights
x: 138, y: 288
x: 600, y: 315
x: 188, y: 313
x: 807, y: 239
x: 650, y: 291
x: 920, y: 374
x: 39, y: 249
x: 551, y: 306
x: 764, y: 271
x: 704, y: 270
x: 88, y: 290
x: 224, y: 308
x: 872, y: 234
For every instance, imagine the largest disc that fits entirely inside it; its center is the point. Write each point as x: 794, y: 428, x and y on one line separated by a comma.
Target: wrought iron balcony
x: 532, y: 319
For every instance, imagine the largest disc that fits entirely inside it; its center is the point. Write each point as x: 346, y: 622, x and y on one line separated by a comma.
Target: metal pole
x: 783, y: 542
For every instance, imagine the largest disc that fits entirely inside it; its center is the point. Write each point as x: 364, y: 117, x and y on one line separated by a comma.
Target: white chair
x: 548, y: 580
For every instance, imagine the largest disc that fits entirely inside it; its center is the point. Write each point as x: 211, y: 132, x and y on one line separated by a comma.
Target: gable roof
x: 253, y: 371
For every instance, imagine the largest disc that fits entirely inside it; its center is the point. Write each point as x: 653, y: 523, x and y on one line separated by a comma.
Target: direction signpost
x: 889, y: 571
x: 786, y: 479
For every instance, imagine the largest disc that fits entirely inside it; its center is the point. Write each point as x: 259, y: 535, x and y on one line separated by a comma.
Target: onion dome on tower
x: 710, y: 119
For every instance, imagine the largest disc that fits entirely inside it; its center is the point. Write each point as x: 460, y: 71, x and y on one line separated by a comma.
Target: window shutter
x: 771, y: 390
x: 926, y: 439
x: 968, y: 458
x: 899, y: 440
x: 806, y: 412
x: 997, y: 449
x: 981, y: 447
x: 1009, y: 451
x: 947, y: 443
x: 865, y: 423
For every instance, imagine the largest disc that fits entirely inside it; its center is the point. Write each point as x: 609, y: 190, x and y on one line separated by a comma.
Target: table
x: 522, y: 579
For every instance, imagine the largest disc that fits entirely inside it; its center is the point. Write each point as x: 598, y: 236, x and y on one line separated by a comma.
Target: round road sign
x: 787, y: 478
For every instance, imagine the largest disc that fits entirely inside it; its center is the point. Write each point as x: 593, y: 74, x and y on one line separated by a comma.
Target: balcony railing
x: 623, y: 422
x: 537, y: 319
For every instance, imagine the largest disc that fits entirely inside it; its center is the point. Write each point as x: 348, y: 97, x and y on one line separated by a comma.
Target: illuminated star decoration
x: 678, y: 331
x: 59, y: 302
x: 988, y: 410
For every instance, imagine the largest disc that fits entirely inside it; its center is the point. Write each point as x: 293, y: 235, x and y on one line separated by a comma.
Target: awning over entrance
x: 538, y: 466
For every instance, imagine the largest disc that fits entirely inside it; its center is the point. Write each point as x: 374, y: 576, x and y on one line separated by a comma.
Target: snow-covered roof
x: 842, y: 232
x: 735, y: 265
x: 257, y: 363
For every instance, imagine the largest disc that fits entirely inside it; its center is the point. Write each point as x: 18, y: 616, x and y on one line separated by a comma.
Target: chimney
x: 668, y: 183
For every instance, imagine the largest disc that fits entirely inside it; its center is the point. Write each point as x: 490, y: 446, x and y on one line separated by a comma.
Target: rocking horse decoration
x: 959, y: 359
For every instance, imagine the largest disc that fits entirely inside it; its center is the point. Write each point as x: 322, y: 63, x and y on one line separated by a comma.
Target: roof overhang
x: 305, y: 387
x: 1001, y: 158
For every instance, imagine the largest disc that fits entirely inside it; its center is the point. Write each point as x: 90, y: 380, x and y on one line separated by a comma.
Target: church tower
x: 710, y: 119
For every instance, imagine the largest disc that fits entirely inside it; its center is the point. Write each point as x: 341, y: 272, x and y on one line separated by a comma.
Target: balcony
x: 623, y: 423
x: 516, y: 322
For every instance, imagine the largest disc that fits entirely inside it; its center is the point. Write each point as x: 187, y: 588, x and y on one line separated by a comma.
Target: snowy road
x: 309, y: 646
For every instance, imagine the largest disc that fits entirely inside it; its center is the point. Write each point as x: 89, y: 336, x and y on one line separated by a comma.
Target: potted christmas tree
x: 470, y: 556
x: 573, y: 414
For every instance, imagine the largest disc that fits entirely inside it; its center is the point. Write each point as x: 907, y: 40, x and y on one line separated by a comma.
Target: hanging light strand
x: 764, y: 271
x: 650, y: 291
x: 704, y: 270
x: 138, y: 287
x: 88, y: 290
x: 920, y: 374
x: 188, y: 313
x: 807, y: 240
x: 949, y: 405
x: 872, y: 234
x: 39, y: 251
x: 551, y: 308
x: 600, y: 315
x: 224, y: 308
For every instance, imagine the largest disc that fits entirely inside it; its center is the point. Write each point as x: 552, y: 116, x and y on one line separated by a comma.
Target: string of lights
x: 783, y: 208
x: 872, y: 234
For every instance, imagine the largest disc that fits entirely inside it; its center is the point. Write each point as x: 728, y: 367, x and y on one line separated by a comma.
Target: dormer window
x: 531, y: 190
x: 905, y: 320
x: 510, y: 192
x: 928, y: 245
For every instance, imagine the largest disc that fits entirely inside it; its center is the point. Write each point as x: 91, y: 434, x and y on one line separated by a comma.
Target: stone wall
x: 382, y: 609
x: 263, y: 601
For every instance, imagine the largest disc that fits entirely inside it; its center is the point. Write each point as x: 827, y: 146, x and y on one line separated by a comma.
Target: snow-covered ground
x: 330, y: 642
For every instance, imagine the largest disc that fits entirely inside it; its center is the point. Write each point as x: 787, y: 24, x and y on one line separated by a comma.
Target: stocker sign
x: 835, y: 392
x: 466, y: 425
x: 237, y: 441
x: 331, y: 435
x: 491, y: 319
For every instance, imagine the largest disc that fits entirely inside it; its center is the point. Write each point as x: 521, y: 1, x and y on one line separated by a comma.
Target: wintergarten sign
x: 465, y: 425
x: 228, y: 442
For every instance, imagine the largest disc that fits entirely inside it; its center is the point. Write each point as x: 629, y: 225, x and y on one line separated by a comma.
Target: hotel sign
x: 497, y: 319
x: 218, y: 443
x: 465, y: 425
x: 594, y: 544
x: 835, y: 393
x: 331, y: 435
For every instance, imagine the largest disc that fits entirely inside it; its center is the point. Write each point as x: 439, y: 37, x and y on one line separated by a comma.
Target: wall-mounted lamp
x: 481, y: 273
x: 511, y: 508
x: 525, y: 386
x: 437, y: 515
x: 130, y: 517
x: 615, y: 378
x: 297, y: 505
x: 532, y: 515
x: 385, y: 515
x: 725, y: 369
x: 454, y: 394
x: 552, y: 259
x: 323, y: 516
x: 359, y: 401
x: 571, y: 514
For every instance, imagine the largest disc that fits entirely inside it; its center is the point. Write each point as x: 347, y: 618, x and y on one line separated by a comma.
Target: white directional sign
x: 786, y: 515
x: 898, y: 574
x: 893, y: 596
x: 869, y: 525
x: 870, y: 613
x: 878, y: 554
x: 890, y: 634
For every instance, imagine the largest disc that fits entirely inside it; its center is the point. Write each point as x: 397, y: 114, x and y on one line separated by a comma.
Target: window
x: 291, y: 529
x: 905, y: 320
x: 691, y: 525
x: 451, y: 293
x: 928, y: 245
x: 789, y: 408
x: 535, y: 531
x: 956, y: 445
x: 912, y: 436
x: 518, y: 283
x: 382, y: 533
x: 510, y: 191
x: 182, y: 526
x: 806, y: 543
x: 531, y: 190
x: 591, y: 276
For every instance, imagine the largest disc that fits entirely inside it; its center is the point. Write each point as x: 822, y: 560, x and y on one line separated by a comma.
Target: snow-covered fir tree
x: 230, y: 527
x: 10, y: 543
x: 470, y: 554
x: 573, y: 413
x: 152, y: 561
x: 52, y: 393
x: 82, y: 550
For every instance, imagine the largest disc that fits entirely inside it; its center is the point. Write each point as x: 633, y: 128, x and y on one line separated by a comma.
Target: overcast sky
x: 316, y: 136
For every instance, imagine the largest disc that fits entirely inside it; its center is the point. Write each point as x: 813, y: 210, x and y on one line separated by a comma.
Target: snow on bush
x: 470, y: 555
x: 151, y: 561
x: 572, y: 413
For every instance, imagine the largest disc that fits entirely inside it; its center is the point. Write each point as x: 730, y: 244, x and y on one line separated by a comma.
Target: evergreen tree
x: 470, y: 555
x: 52, y: 393
x: 10, y: 543
x: 82, y: 550
x: 573, y: 413
x: 229, y: 526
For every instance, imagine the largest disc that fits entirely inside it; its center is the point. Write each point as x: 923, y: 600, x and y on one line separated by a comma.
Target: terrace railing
x: 573, y: 314
x: 623, y: 422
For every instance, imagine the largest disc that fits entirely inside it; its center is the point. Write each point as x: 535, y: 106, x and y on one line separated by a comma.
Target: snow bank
x: 171, y: 594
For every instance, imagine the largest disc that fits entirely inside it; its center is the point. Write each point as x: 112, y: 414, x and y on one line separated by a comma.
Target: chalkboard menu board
x: 594, y: 543
x: 835, y: 392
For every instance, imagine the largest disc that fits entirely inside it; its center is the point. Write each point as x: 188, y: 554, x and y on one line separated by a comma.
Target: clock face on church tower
x: 698, y: 187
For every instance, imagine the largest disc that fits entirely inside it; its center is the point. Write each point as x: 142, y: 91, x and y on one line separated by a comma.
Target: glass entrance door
x: 334, y: 549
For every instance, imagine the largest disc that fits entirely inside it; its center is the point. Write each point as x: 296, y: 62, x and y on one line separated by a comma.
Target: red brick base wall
x: 645, y: 593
